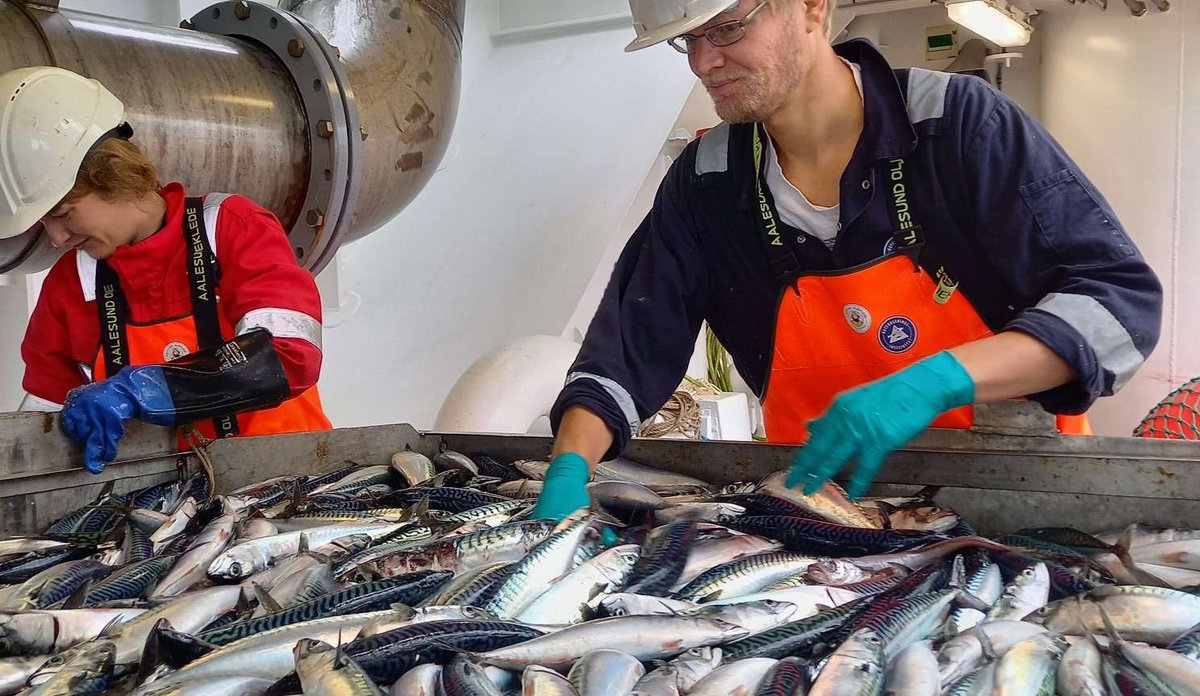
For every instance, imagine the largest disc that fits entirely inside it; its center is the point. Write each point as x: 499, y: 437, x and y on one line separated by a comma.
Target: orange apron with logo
x: 838, y: 330
x: 124, y: 343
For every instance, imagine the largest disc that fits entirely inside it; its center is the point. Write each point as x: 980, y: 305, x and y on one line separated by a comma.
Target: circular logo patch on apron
x: 857, y: 317
x: 889, y: 246
x: 174, y: 351
x: 897, y: 334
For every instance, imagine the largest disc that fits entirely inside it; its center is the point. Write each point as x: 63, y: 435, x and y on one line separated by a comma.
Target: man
x: 876, y: 249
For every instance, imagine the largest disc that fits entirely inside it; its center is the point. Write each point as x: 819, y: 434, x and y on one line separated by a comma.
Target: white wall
x: 554, y: 137
x: 901, y: 38
x: 1121, y: 95
x: 151, y: 11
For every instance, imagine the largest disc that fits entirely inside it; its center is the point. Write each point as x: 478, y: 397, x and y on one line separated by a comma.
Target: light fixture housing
x: 994, y: 20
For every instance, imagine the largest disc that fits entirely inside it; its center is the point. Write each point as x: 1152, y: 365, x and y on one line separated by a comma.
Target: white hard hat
x: 656, y: 21
x: 49, y: 119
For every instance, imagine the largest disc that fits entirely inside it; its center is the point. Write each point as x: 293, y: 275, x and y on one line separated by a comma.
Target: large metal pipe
x: 226, y: 114
x: 403, y: 59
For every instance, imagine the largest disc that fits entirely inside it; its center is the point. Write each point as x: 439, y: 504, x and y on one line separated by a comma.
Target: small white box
x: 724, y: 416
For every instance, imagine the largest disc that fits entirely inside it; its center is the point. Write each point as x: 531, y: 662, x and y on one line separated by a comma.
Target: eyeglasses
x: 723, y: 34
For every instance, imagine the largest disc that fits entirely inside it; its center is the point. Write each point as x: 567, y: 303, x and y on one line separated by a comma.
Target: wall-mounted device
x: 941, y: 43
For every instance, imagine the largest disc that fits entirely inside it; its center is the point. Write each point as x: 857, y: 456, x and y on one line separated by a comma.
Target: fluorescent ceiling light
x: 993, y: 22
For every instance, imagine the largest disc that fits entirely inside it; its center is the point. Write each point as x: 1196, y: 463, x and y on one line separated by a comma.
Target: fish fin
x: 989, y: 649
x: 1142, y: 576
x: 1109, y: 629
x: 113, y: 623
x: 403, y: 611
x: 265, y: 600
x: 303, y: 549
x: 77, y: 598
x: 928, y: 493
x: 243, y: 607
x: 165, y: 645
x: 338, y: 655
x: 105, y: 492
x: 970, y: 601
x: 420, y: 511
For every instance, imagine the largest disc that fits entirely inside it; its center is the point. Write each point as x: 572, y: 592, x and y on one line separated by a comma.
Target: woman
x: 165, y: 308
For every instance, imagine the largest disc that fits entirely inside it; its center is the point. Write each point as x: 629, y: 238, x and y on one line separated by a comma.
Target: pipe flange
x: 334, y: 130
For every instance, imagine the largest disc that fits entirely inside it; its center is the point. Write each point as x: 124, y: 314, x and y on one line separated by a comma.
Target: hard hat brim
x: 669, y: 31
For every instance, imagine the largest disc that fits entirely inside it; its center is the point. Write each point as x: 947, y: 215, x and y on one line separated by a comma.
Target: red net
x: 1176, y: 417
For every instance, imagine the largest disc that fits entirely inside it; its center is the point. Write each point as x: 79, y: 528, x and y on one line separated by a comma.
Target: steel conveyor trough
x: 998, y: 482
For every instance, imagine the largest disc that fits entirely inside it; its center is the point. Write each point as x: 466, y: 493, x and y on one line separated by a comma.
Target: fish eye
x: 235, y: 568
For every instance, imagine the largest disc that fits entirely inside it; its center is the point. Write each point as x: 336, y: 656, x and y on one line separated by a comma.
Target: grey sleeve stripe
x: 618, y: 393
x: 926, y: 94
x: 34, y: 403
x: 1104, y: 334
x: 282, y: 323
x: 713, y: 155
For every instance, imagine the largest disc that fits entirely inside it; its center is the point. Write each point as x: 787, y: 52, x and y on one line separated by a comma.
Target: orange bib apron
x: 124, y: 343
x: 838, y: 330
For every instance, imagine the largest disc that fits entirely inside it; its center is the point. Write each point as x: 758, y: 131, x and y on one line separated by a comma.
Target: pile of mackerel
x: 428, y: 577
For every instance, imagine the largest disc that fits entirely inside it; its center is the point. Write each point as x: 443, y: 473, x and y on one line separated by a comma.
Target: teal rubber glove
x: 564, y: 491
x: 870, y: 422
x: 565, y: 488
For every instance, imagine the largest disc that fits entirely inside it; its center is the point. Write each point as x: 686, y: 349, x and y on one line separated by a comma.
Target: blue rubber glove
x: 95, y: 414
x: 869, y: 422
x: 564, y: 491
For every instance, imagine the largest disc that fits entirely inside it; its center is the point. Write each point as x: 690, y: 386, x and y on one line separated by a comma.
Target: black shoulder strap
x: 784, y: 264
x: 202, y: 283
x: 113, y: 310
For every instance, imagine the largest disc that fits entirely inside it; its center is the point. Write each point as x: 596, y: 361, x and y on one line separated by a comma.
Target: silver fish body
x: 625, y: 495
x: 175, y: 524
x: 16, y: 671
x: 324, y: 671
x: 706, y: 555
x: 700, y: 510
x: 268, y: 655
x: 567, y: 598
x: 1079, y: 672
x: 1027, y: 593
x: 987, y: 586
x: 744, y: 576
x: 854, y: 669
x: 192, y: 566
x: 49, y: 632
x: 547, y: 562
x: 914, y: 672
x: 186, y: 614
x: 82, y: 670
x: 217, y: 686
x: 644, y: 637
x: 964, y: 653
x: 740, y: 678
x: 680, y: 675
x: 246, y: 558
x: 422, y: 680
x: 537, y: 680
x: 603, y: 672
x: 758, y: 616
x: 1147, y: 614
x: 1030, y: 667
x: 626, y: 604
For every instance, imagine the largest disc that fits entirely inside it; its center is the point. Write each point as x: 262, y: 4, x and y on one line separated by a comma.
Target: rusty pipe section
x: 403, y: 61
x: 225, y: 114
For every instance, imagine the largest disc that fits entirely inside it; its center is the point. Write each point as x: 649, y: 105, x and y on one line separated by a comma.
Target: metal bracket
x: 334, y: 130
